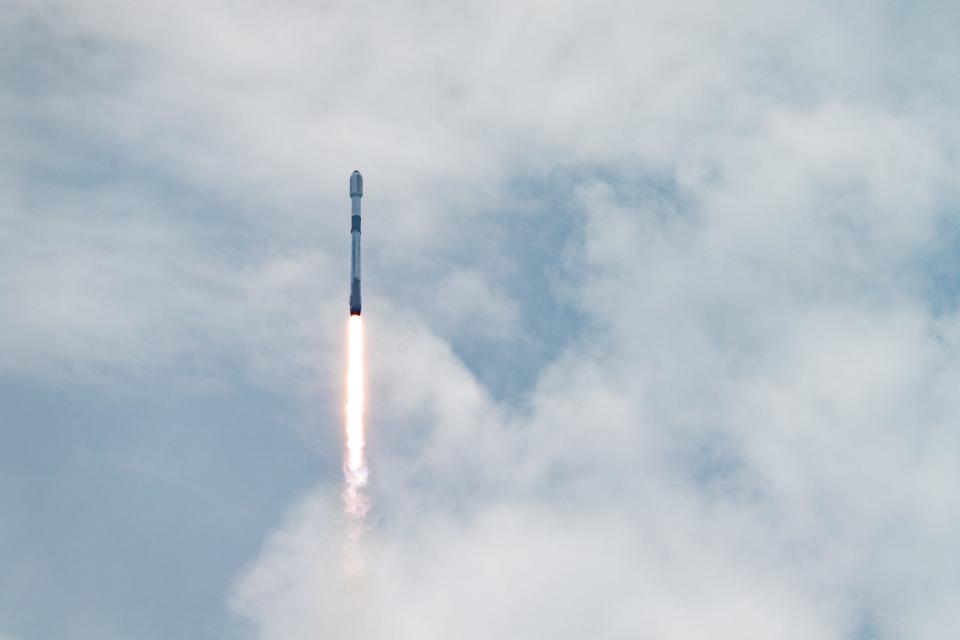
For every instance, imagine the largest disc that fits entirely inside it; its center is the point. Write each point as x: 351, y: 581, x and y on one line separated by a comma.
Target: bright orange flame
x: 354, y: 460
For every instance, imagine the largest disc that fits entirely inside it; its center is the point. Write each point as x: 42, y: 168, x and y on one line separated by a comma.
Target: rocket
x: 356, y: 192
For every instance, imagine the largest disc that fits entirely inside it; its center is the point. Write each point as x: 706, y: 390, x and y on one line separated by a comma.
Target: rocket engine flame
x: 356, y: 502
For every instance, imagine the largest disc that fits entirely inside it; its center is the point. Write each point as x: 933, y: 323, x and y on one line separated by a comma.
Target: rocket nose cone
x: 356, y: 184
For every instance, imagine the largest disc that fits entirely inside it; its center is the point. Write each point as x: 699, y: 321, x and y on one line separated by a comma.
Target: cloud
x: 521, y: 572
x: 468, y: 306
x: 747, y: 432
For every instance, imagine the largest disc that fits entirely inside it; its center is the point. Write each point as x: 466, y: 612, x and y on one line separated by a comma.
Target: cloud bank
x: 719, y: 240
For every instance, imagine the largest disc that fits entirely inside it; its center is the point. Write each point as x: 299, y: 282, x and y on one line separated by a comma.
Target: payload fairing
x: 356, y: 192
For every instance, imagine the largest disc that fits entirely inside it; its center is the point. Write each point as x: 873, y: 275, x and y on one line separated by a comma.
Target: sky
x: 661, y: 309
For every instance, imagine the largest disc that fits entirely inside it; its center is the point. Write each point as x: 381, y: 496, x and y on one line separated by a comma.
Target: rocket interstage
x: 356, y: 192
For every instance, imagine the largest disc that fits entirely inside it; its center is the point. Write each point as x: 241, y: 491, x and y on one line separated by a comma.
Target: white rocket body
x: 356, y: 192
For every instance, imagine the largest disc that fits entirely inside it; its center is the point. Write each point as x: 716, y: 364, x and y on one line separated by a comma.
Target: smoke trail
x: 356, y: 502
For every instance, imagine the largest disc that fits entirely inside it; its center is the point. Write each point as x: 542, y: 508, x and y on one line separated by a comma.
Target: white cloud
x: 465, y: 304
x: 751, y: 434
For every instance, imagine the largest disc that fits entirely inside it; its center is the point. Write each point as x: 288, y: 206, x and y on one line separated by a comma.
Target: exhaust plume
x: 356, y: 502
